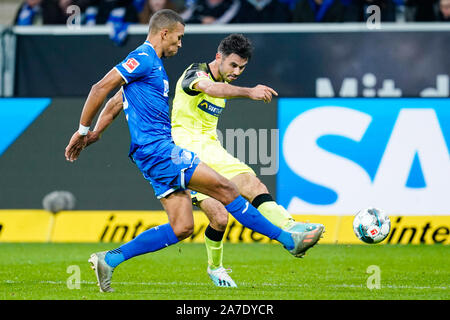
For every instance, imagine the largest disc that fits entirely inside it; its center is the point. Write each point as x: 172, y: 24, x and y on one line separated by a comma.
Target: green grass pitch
x: 261, y: 271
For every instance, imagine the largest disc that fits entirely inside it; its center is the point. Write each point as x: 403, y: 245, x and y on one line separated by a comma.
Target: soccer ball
x: 371, y: 225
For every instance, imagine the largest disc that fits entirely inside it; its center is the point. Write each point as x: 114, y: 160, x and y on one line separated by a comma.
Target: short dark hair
x: 164, y: 18
x: 238, y: 44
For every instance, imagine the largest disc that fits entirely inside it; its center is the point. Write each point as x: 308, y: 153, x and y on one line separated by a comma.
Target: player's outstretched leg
x: 255, y: 191
x: 207, y: 181
x: 279, y: 216
x: 297, y: 243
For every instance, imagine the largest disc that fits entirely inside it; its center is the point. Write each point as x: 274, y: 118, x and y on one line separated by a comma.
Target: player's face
x: 172, y: 40
x: 231, y: 66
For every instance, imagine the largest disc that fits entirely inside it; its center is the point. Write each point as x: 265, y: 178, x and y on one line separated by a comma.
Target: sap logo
x: 349, y: 88
x: 336, y: 160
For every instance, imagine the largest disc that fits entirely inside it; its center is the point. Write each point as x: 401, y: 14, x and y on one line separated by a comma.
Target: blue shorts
x: 166, y: 166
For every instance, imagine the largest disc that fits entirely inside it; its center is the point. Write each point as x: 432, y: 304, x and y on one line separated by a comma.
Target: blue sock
x: 251, y: 218
x: 114, y: 257
x: 150, y: 240
x: 286, y: 239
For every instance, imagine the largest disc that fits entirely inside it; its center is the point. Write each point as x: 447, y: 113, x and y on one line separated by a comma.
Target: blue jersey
x: 146, y: 104
x: 145, y: 97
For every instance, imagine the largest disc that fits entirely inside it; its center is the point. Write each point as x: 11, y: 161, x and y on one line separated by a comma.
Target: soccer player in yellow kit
x: 200, y: 97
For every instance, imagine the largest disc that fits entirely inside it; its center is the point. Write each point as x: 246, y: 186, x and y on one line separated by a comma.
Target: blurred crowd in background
x: 98, y: 12
x: 120, y: 14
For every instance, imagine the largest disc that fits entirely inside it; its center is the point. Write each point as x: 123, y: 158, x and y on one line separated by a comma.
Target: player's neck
x: 214, y: 67
x: 156, y: 44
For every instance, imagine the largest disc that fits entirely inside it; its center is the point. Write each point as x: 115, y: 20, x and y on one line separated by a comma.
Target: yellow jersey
x: 193, y: 112
x: 194, y: 124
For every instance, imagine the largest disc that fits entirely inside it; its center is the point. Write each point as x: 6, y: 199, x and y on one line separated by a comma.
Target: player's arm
x: 94, y: 101
x: 111, y: 110
x: 98, y: 94
x: 227, y: 91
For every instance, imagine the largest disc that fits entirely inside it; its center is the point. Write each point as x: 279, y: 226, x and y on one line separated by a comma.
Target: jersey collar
x: 149, y: 44
x: 210, y: 72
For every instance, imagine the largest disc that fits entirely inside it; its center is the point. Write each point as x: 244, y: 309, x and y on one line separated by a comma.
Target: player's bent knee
x: 251, y: 186
x: 183, y: 231
x: 261, y: 187
x: 221, y: 221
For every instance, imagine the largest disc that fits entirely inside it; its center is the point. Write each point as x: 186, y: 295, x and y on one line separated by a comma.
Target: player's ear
x: 218, y: 56
x: 164, y: 32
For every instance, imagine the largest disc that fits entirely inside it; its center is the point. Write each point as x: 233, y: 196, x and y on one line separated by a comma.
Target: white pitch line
x: 119, y: 282
x: 391, y: 287
x: 172, y: 283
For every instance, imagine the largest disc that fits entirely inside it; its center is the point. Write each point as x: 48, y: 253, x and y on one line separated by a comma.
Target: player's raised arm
x: 213, y: 79
x: 228, y: 91
x: 221, y: 89
x: 94, y: 101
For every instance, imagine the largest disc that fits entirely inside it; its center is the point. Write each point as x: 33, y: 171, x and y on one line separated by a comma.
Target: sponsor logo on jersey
x: 202, y: 74
x: 210, y: 108
x: 130, y: 65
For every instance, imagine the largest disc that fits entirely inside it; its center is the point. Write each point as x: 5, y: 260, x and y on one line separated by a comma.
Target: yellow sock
x: 275, y: 213
x: 214, y: 250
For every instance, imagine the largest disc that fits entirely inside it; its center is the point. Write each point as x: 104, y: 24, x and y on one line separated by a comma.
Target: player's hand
x: 76, y: 144
x: 262, y: 92
x: 92, y: 136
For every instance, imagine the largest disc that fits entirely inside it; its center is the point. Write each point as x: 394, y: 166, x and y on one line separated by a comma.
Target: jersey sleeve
x: 135, y: 66
x: 194, y: 74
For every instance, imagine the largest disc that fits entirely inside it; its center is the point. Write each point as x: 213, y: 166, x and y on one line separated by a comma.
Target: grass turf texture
x: 261, y: 271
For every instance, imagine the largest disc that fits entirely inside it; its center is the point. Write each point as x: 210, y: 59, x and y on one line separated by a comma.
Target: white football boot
x: 102, y: 270
x: 220, y: 277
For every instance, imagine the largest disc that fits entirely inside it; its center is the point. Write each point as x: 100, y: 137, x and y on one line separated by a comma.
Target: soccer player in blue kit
x: 170, y: 169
